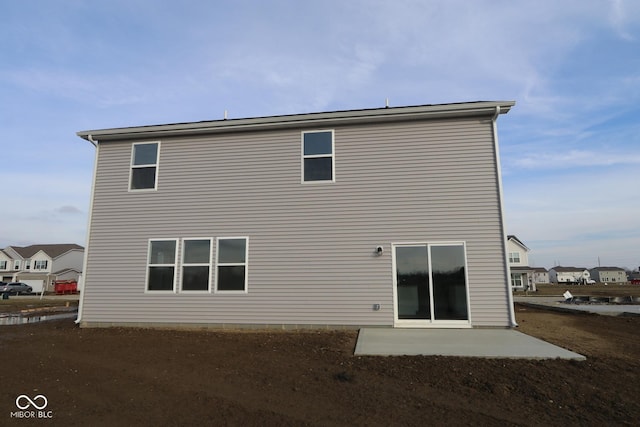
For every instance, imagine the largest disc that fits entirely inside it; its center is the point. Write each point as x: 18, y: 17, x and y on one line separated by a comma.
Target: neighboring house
x: 608, y: 274
x: 540, y: 275
x: 569, y: 275
x: 521, y: 273
x: 384, y: 217
x: 41, y: 265
x: 6, y: 267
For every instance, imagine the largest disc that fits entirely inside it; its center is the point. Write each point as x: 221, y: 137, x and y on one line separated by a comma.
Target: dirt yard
x: 107, y: 377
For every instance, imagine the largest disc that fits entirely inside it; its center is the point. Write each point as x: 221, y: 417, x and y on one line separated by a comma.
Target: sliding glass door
x: 430, y: 284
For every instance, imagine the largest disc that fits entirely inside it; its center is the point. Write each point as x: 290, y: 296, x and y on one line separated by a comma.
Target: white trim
x: 132, y: 167
x: 318, y: 156
x: 174, y: 265
x: 430, y: 323
x: 85, y: 260
x: 183, y: 264
x: 505, y: 243
x: 245, y: 264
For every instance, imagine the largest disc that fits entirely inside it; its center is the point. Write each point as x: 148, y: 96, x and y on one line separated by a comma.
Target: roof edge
x: 465, y: 109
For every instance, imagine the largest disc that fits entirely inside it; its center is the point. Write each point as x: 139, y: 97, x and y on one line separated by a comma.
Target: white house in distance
x: 608, y: 274
x: 388, y: 217
x: 522, y: 276
x: 561, y: 274
x: 41, y: 265
x: 540, y: 275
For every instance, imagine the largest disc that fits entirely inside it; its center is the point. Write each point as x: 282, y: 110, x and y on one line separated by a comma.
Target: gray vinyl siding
x: 311, y: 246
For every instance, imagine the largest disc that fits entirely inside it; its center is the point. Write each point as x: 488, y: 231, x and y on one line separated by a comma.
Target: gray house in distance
x: 378, y: 217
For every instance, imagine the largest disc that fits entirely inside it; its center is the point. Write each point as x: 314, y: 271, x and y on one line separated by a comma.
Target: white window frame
x: 515, y: 279
x: 175, y: 266
x: 41, y: 264
x: 187, y: 264
x: 514, y: 257
x: 132, y: 166
x: 423, y: 323
x: 16, y: 264
x: 231, y: 264
x: 317, y: 156
x: 3, y: 265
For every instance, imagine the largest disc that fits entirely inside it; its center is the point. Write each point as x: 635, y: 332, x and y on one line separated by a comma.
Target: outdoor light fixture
x: 379, y: 250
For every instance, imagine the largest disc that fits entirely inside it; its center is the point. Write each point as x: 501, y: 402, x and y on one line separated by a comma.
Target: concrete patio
x: 488, y: 343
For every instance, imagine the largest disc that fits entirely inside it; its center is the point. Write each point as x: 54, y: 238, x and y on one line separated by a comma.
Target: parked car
x: 16, y: 287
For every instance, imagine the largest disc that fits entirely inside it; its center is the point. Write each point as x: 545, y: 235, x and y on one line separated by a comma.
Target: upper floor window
x: 16, y: 265
x: 40, y: 265
x: 144, y: 166
x: 3, y: 265
x: 514, y: 256
x: 318, y: 158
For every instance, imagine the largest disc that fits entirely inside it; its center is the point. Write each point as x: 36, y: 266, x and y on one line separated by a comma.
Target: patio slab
x: 488, y: 343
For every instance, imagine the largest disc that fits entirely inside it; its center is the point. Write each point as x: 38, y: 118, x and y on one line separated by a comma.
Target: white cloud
x: 574, y: 159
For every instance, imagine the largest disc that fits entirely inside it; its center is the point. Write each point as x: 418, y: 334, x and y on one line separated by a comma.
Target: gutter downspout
x: 494, y: 124
x: 91, y: 140
x: 89, y: 222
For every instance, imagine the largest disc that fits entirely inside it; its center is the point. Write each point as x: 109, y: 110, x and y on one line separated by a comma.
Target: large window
x: 161, y: 268
x: 318, y: 156
x: 3, y: 265
x: 196, y: 264
x: 514, y: 257
x: 431, y: 282
x: 516, y: 280
x: 232, y: 264
x: 40, y: 265
x: 144, y: 166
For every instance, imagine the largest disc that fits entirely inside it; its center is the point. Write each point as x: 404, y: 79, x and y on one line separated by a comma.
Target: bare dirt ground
x: 163, y: 377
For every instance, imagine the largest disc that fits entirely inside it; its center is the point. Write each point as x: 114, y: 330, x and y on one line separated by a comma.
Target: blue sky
x: 570, y: 148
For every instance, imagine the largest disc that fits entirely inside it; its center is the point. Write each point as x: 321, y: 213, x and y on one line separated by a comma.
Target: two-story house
x: 609, y: 274
x: 540, y: 275
x: 521, y: 274
x: 41, y: 265
x: 388, y: 217
x: 561, y: 274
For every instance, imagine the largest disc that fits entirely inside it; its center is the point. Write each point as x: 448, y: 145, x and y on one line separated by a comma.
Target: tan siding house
x: 382, y: 217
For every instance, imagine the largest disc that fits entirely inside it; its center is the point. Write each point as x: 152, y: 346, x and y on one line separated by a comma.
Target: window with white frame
x: 3, y: 265
x: 318, y: 158
x: 16, y: 265
x: 40, y: 265
x: 231, y: 265
x: 196, y: 264
x: 161, y: 265
x: 516, y: 280
x: 514, y: 257
x: 144, y: 166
